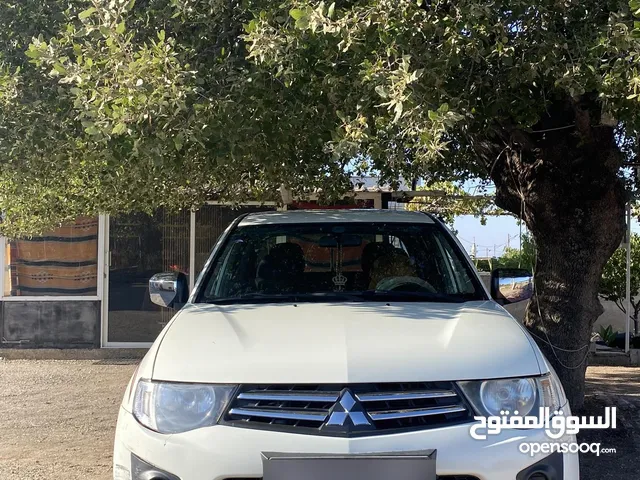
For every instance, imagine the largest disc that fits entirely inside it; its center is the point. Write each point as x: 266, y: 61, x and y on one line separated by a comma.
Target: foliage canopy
x: 118, y: 105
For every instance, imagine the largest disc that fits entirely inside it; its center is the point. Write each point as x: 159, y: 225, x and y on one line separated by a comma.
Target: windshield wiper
x: 390, y: 295
x: 280, y: 298
x: 367, y: 295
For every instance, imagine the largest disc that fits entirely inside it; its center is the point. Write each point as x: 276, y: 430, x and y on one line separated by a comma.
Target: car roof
x: 337, y: 216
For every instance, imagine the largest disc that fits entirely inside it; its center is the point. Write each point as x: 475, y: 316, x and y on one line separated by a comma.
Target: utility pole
x: 521, y: 237
x: 628, y: 280
x: 474, y: 250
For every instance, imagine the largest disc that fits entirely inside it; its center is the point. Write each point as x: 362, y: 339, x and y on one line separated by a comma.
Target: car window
x: 339, y: 262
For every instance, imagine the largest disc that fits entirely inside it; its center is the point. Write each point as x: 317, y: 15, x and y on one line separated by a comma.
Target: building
x: 85, y: 285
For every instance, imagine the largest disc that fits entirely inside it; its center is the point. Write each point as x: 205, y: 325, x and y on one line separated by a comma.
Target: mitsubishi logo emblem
x: 348, y: 414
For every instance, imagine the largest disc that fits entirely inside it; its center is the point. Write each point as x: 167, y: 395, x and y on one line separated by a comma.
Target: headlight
x: 179, y: 407
x: 523, y: 395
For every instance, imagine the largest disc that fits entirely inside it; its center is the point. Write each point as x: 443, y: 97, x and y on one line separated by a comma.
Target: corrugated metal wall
x: 211, y: 222
x: 143, y: 245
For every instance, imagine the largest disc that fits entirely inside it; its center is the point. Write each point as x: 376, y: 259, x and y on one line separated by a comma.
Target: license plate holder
x: 418, y: 465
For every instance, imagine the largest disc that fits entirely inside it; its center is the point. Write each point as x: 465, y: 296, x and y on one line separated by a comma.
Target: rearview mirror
x: 511, y: 285
x: 169, y: 289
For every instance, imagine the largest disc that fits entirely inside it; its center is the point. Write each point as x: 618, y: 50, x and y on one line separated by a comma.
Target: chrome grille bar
x: 310, y: 408
x: 303, y: 415
x: 400, y: 396
x: 413, y: 413
x: 289, y: 396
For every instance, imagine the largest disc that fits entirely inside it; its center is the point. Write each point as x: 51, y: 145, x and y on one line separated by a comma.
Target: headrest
x: 281, y: 266
x: 372, y: 251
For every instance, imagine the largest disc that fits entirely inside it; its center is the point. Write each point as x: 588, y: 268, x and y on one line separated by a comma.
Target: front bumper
x: 223, y: 452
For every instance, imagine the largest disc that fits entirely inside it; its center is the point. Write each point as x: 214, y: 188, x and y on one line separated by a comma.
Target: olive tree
x: 120, y: 105
x: 539, y: 97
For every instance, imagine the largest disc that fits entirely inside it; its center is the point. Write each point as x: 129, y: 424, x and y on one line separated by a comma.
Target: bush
x: 608, y: 335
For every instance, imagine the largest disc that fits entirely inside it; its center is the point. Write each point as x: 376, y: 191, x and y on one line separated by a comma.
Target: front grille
x: 388, y: 407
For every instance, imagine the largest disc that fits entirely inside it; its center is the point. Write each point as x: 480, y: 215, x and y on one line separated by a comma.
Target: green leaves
x: 199, y: 97
x: 302, y: 17
x: 380, y: 90
x: 86, y: 13
x: 398, y: 109
x: 296, y: 13
x: 119, y: 129
x: 331, y: 10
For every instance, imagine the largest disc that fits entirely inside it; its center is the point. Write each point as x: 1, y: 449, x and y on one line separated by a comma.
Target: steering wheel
x: 390, y: 284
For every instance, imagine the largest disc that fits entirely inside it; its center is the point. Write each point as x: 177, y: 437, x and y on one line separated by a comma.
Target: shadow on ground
x: 613, y: 387
x: 625, y: 462
x: 117, y: 361
x: 614, y: 381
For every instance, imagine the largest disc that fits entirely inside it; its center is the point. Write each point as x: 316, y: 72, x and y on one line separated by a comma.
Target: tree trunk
x: 564, y: 183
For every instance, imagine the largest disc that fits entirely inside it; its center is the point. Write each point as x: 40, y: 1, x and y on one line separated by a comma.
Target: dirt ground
x: 615, y: 387
x: 57, y: 419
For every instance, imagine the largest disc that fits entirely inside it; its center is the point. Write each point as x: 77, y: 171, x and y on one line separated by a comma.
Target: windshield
x: 339, y: 262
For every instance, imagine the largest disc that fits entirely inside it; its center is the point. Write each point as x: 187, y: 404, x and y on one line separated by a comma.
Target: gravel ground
x: 613, y: 387
x: 57, y: 418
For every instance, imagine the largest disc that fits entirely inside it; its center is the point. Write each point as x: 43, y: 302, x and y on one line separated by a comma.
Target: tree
x: 122, y: 105
x: 614, y: 279
x: 540, y: 97
x: 523, y: 257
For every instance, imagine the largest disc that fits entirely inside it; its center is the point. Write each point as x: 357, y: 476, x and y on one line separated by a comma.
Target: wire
x: 558, y: 348
x: 554, y: 129
x: 555, y: 347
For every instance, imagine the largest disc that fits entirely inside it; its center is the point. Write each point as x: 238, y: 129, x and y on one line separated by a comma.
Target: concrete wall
x: 54, y: 324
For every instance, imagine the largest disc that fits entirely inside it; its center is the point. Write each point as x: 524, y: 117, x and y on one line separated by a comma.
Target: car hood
x: 344, y: 343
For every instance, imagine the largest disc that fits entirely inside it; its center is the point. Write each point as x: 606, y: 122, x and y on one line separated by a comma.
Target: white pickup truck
x: 332, y: 345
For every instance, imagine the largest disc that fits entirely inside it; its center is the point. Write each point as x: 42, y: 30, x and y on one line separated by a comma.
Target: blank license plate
x: 420, y: 465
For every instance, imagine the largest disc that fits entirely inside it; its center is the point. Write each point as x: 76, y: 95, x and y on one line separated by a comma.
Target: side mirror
x: 511, y: 285
x: 169, y: 289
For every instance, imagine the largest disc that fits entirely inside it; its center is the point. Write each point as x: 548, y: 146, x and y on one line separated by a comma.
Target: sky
x: 492, y: 237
